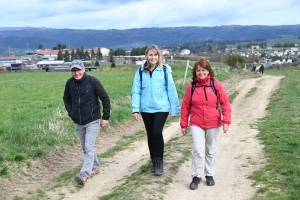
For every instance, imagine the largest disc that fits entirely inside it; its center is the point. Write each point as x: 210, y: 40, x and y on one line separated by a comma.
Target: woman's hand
x: 136, y: 116
x: 184, y: 131
x: 225, y: 128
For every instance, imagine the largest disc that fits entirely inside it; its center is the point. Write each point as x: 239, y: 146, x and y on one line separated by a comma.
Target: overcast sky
x: 127, y: 14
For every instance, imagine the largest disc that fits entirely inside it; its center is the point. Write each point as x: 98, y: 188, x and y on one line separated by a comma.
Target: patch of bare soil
x: 239, y: 154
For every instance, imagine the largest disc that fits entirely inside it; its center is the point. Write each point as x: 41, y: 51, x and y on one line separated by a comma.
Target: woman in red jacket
x: 201, y: 107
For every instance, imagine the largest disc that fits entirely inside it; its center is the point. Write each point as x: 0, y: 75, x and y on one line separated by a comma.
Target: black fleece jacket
x: 81, y: 100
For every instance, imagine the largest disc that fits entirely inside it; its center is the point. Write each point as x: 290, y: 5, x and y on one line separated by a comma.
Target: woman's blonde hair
x: 203, y: 63
x: 156, y: 50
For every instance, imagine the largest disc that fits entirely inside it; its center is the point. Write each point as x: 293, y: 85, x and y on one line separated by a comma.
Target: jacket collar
x: 204, y: 81
x: 84, y: 77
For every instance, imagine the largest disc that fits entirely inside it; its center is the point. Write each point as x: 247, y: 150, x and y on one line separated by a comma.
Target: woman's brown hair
x: 202, y: 63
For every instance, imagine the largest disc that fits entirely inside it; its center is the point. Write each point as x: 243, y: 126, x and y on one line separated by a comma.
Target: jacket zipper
x: 78, y: 89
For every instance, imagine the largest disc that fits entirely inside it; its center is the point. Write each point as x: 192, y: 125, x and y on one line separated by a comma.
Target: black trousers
x: 154, y: 123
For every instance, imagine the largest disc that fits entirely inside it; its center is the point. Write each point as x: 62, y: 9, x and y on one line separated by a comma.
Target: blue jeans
x: 88, y: 134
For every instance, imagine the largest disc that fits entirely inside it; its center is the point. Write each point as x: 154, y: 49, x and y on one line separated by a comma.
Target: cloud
x: 126, y: 14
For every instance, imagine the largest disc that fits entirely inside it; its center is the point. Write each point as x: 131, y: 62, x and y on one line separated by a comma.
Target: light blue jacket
x: 157, y: 93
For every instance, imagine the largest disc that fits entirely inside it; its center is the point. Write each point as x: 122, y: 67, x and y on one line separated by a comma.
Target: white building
x: 46, y: 64
x: 46, y: 54
x: 185, y: 52
x: 10, y: 60
x: 165, y: 52
x: 104, y: 51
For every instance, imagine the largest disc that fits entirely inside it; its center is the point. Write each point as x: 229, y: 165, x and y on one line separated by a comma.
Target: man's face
x: 78, y: 73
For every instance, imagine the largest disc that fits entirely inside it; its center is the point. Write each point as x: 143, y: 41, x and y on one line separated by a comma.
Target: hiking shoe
x: 95, y: 171
x: 80, y: 179
x: 209, y: 181
x: 195, y: 182
x: 153, y: 167
x: 159, y: 167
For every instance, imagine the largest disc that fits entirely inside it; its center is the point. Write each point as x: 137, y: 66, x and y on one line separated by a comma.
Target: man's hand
x: 104, y: 122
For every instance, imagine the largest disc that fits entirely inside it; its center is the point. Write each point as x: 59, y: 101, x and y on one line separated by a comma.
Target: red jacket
x: 203, y: 109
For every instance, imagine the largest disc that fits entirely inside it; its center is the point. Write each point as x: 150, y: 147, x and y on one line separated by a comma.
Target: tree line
x: 80, y: 53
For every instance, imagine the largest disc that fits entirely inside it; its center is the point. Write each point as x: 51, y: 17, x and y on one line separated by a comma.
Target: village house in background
x: 47, y: 59
x: 11, y: 63
x: 185, y: 52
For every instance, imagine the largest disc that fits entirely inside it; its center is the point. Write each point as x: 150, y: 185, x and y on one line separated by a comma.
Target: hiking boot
x: 195, y: 182
x: 152, y: 170
x: 159, y: 167
x: 80, y: 179
x: 209, y: 181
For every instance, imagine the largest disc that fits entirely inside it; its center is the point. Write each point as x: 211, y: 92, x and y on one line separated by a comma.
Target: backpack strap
x: 193, y: 88
x: 165, y: 72
x: 141, y: 75
x: 212, y: 84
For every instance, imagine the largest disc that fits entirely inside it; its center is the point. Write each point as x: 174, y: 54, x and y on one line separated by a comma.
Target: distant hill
x: 23, y: 37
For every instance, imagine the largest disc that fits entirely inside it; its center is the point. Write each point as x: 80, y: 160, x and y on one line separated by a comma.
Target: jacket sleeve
x: 172, y: 93
x: 186, y: 107
x: 67, y: 98
x: 102, y: 94
x: 224, y: 102
x: 136, y: 92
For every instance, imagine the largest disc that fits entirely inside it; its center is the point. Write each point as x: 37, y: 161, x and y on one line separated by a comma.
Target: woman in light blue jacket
x: 154, y: 95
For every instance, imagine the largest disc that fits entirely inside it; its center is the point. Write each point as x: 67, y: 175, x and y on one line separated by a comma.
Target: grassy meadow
x: 279, y: 133
x: 32, y: 114
x: 33, y: 122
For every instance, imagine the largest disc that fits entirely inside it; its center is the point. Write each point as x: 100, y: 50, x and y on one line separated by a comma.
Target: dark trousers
x: 154, y: 123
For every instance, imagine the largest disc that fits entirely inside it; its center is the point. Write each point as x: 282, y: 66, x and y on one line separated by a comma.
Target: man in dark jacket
x: 81, y: 101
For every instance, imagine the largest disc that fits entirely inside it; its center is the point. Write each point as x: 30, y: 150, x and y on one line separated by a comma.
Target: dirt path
x: 238, y: 155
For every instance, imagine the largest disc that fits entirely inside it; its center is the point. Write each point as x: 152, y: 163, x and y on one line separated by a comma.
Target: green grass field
x: 33, y: 117
x: 279, y: 132
x: 33, y: 121
x: 32, y: 114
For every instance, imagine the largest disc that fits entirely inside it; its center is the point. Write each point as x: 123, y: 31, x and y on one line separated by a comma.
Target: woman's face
x: 152, y: 58
x: 201, y: 72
